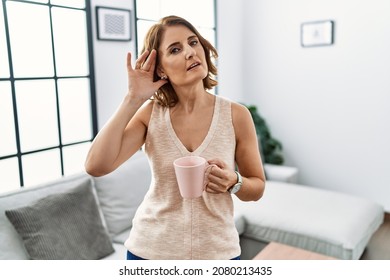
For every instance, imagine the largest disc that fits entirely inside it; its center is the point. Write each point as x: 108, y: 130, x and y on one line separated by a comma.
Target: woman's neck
x: 191, y: 98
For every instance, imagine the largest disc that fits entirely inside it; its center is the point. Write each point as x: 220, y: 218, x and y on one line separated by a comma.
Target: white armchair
x: 281, y: 173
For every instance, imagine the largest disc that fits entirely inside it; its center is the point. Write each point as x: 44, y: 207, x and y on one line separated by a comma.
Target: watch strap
x: 237, y: 186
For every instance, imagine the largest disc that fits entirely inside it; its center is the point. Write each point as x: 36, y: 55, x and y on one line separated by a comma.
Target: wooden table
x: 278, y: 251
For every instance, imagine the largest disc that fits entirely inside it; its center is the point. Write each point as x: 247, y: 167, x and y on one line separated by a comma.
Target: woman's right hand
x: 140, y: 78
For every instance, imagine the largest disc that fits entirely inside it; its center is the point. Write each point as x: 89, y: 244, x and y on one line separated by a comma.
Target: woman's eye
x: 194, y: 42
x: 175, y: 50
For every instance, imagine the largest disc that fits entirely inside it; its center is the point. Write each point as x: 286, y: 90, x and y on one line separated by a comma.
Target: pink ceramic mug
x: 191, y: 174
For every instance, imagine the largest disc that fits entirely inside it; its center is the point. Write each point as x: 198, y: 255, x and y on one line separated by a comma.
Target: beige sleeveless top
x: 166, y: 226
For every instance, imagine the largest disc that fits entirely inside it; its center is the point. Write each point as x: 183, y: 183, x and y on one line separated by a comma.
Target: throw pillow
x: 122, y: 191
x: 63, y: 226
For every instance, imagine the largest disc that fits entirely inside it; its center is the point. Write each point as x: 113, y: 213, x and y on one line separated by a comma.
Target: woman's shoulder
x: 237, y: 112
x: 240, y: 114
x: 145, y: 111
x: 236, y: 107
x: 150, y: 105
x: 146, y: 108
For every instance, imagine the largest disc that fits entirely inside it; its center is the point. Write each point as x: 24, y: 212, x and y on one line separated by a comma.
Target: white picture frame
x: 113, y: 24
x: 317, y: 33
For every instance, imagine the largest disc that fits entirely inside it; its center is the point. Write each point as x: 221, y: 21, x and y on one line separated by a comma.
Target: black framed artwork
x: 113, y: 24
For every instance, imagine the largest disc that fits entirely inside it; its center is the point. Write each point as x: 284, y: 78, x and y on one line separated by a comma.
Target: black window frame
x: 91, y: 76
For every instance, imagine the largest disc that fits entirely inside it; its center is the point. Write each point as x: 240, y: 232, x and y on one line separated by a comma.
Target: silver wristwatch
x: 235, y: 188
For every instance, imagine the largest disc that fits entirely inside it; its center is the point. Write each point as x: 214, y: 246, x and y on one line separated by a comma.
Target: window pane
x: 69, y: 3
x: 41, y: 167
x: 149, y: 9
x: 200, y: 14
x: 208, y: 34
x: 9, y: 179
x: 7, y: 124
x: 4, y: 67
x: 30, y: 36
x: 70, y: 42
x: 74, y: 158
x: 75, y: 110
x: 37, y: 114
x: 142, y: 27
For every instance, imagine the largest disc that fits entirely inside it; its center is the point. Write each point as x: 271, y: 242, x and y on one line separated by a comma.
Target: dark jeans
x: 131, y: 256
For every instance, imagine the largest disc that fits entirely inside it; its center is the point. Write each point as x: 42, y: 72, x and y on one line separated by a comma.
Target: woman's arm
x: 247, y: 158
x: 247, y: 155
x: 118, y: 140
x: 125, y: 132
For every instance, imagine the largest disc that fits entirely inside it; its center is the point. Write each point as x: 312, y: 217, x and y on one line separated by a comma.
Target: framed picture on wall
x: 317, y: 33
x: 113, y: 24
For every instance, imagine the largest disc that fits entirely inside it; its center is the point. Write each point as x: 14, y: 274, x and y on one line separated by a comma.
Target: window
x: 201, y: 14
x: 47, y: 108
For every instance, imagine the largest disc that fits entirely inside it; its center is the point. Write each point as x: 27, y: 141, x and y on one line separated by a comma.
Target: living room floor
x: 379, y: 246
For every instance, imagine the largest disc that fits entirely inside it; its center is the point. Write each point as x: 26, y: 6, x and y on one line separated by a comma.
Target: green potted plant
x: 270, y: 148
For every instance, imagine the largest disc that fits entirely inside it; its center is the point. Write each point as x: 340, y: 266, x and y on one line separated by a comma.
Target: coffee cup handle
x: 207, y: 170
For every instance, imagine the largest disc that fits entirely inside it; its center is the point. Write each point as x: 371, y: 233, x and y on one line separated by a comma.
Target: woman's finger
x: 214, y: 188
x: 220, y: 179
x: 150, y: 61
x: 210, y: 188
x: 215, y: 179
x: 217, y: 162
x: 141, y: 59
x: 129, y: 67
x: 216, y: 171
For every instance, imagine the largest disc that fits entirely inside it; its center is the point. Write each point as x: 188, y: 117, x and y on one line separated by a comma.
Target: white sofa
x: 50, y: 218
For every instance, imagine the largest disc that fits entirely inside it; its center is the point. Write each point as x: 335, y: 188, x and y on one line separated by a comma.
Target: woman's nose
x: 189, y: 52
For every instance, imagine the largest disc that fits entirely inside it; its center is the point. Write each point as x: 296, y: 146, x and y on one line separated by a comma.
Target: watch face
x: 235, y: 188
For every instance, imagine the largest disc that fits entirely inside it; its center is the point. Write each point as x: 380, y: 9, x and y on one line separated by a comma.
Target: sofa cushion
x: 240, y: 223
x: 11, y: 245
x: 119, y: 254
x: 64, y: 226
x: 121, y: 237
x: 318, y: 220
x: 122, y: 191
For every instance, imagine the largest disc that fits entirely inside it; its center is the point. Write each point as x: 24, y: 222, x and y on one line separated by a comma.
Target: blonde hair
x: 166, y: 95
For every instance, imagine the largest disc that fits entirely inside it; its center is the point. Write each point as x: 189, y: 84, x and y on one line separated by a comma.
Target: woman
x: 169, y: 113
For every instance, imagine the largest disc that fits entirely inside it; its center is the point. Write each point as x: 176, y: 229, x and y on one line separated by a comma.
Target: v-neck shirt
x: 206, y: 140
x: 167, y: 226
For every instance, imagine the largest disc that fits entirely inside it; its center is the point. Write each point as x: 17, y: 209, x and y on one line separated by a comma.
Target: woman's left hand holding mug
x: 220, y: 178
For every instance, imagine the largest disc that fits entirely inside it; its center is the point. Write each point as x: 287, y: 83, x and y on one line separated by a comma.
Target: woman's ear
x: 161, y: 73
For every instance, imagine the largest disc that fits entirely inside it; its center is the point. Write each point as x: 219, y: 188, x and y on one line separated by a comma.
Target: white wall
x: 230, y: 46
x: 110, y: 64
x: 329, y: 106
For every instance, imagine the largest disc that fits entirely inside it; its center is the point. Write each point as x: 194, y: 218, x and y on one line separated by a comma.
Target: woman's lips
x: 193, y: 65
